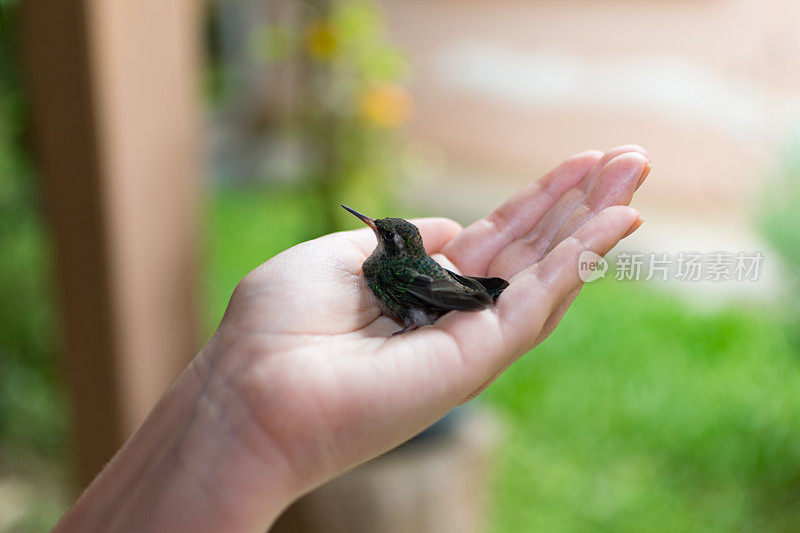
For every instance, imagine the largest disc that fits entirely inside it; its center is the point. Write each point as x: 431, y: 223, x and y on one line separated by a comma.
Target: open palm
x: 312, y: 362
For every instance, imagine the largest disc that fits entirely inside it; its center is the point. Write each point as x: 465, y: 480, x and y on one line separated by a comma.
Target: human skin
x: 303, y: 379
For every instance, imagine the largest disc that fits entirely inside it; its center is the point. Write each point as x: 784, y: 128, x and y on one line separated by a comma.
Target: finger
x: 613, y: 184
x: 616, y: 185
x: 445, y: 262
x: 549, y: 326
x: 562, y: 209
x: 561, y: 309
x: 473, y: 248
x: 436, y: 233
x: 489, y: 341
x: 538, y: 290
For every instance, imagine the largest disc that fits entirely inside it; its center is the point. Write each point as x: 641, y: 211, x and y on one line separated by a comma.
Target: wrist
x: 247, y: 480
x: 196, y: 463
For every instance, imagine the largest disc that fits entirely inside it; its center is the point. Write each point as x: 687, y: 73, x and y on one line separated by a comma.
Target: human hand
x: 304, y: 347
x: 303, y: 379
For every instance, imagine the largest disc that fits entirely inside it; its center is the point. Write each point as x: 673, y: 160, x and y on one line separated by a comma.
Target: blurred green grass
x: 639, y: 414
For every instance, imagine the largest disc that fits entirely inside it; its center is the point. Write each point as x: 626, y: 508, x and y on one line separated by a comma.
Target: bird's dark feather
x: 494, y: 286
x: 443, y: 294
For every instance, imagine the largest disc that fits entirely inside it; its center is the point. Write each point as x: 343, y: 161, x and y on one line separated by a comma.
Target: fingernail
x: 647, y: 168
x: 639, y: 221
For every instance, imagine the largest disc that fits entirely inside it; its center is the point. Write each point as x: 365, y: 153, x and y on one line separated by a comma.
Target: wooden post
x: 114, y: 95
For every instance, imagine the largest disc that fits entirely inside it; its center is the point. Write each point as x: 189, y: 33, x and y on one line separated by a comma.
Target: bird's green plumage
x: 410, y: 286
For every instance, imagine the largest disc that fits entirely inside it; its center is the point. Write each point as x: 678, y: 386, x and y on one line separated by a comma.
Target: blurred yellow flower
x: 322, y: 39
x: 387, y: 105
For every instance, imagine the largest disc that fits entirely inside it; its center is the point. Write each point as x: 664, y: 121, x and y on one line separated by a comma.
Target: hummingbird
x: 410, y: 286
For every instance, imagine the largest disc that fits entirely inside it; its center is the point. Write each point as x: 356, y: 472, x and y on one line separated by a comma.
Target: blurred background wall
x: 709, y: 88
x: 655, y: 406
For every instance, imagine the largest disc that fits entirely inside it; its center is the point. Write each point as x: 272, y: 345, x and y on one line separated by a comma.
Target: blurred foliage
x: 32, y: 410
x: 780, y: 217
x: 779, y: 220
x: 350, y: 100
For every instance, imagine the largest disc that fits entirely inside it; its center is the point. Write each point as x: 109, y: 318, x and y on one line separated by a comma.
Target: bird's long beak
x: 364, y: 218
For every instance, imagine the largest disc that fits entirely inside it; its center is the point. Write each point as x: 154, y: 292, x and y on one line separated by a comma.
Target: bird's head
x: 395, y: 235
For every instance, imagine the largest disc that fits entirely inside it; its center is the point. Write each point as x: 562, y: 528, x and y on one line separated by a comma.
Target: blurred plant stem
x: 346, y: 103
x: 324, y: 124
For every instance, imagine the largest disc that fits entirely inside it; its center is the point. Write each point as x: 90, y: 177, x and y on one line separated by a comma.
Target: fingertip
x: 632, y: 218
x: 647, y: 168
x: 436, y: 231
x: 605, y: 229
x: 625, y: 151
x: 588, y: 154
x: 629, y: 167
x: 437, y: 221
x: 442, y: 226
x: 625, y: 148
x: 630, y: 158
x: 452, y: 225
x: 576, y: 165
x: 636, y: 225
x: 624, y: 214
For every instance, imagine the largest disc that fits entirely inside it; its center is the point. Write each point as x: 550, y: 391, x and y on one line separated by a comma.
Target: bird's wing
x: 494, y: 286
x: 448, y: 295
